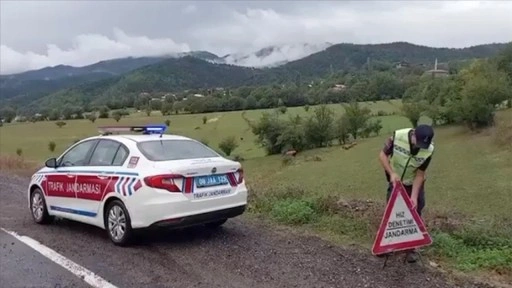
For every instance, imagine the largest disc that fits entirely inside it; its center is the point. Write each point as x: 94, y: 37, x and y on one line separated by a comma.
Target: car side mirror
x: 51, y: 163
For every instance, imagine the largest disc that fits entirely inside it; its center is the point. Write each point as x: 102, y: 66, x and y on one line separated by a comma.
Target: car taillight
x: 165, y: 181
x: 240, y: 175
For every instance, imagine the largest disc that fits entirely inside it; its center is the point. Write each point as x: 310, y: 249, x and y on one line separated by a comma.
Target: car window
x: 104, y: 153
x: 77, y: 156
x: 120, y: 157
x: 164, y: 150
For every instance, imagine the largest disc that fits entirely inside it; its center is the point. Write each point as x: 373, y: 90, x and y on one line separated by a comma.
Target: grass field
x: 33, y: 138
x: 340, y: 193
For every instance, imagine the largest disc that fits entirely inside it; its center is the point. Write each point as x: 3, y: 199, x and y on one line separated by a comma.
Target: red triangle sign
x: 401, y: 227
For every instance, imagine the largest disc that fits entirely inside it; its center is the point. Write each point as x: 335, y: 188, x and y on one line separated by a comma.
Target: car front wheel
x: 118, y: 223
x: 38, y: 207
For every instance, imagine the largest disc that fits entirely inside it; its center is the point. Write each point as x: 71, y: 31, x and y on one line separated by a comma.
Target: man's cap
x: 424, y: 134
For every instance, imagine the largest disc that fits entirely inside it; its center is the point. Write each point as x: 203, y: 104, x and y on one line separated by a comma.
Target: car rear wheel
x: 118, y: 223
x: 216, y: 224
x: 38, y: 207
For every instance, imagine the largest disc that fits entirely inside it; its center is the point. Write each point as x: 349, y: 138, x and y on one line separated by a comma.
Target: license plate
x: 211, y: 180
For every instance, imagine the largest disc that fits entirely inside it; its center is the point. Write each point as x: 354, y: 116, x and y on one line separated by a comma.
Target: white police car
x: 125, y: 182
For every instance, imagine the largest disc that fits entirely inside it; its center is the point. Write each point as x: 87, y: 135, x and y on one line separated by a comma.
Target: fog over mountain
x: 37, y: 34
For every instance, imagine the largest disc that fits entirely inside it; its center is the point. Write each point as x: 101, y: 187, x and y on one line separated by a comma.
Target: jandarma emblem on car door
x: 214, y: 169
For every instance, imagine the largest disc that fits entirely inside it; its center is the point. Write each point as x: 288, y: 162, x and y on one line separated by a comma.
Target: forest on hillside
x: 306, y: 81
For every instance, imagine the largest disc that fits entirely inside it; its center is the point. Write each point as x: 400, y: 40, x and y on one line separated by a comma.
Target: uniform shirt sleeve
x: 388, y: 146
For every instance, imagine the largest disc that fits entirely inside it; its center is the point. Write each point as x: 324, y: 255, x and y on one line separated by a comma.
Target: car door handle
x: 102, y: 177
x: 70, y: 175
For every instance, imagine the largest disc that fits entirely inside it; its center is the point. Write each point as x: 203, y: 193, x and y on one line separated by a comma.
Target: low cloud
x: 88, y: 49
x: 276, y: 55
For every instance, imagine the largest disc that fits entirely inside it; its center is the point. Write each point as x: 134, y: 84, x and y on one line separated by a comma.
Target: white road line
x: 88, y: 276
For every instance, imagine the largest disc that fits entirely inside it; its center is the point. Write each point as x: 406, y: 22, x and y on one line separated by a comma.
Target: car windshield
x: 165, y: 150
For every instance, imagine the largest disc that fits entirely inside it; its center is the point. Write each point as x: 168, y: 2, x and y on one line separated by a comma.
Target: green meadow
x: 340, y: 193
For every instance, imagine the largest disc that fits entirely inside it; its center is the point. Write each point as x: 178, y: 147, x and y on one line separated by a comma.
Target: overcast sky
x: 45, y: 33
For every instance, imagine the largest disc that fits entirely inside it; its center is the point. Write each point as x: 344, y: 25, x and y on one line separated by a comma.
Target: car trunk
x: 203, y: 178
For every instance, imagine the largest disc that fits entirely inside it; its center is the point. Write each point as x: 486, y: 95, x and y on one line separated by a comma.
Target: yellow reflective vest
x: 403, y: 163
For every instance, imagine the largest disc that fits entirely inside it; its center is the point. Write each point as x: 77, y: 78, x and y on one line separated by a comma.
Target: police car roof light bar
x: 146, y: 130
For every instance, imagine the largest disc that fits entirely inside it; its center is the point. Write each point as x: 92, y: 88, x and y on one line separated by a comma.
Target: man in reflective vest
x: 405, y: 157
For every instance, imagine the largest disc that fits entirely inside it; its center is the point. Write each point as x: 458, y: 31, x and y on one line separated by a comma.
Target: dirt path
x: 244, y: 253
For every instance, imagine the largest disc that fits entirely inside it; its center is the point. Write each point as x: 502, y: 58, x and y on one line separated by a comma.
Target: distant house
x: 339, y: 87
x: 402, y: 64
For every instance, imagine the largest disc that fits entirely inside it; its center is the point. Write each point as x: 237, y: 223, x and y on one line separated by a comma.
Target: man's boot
x: 412, y: 256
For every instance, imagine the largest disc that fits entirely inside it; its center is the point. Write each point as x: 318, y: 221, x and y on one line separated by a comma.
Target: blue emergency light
x: 146, y: 129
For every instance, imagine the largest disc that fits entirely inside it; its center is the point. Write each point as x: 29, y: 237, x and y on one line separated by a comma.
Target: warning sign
x: 401, y: 227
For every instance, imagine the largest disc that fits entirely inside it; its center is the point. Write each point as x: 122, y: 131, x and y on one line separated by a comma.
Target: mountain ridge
x: 190, y: 71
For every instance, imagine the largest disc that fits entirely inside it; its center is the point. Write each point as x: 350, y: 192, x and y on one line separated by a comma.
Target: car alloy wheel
x: 118, y: 223
x: 38, y: 207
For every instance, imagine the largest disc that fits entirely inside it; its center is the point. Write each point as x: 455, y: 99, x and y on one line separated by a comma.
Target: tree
x: 342, y: 129
x: 7, y: 114
x: 205, y: 119
x: 484, y: 87
x: 293, y: 136
x: 412, y: 111
x: 91, y: 117
x: 60, y: 123
x: 319, y: 128
x: 268, y: 130
x: 228, y: 145
x: 116, y: 116
x: 103, y: 112
x: 357, y: 117
x: 166, y: 108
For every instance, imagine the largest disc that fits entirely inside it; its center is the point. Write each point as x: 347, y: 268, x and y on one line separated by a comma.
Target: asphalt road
x: 243, y: 253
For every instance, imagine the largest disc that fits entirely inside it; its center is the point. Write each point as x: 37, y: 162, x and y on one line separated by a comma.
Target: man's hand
x: 414, y: 202
x: 394, y: 178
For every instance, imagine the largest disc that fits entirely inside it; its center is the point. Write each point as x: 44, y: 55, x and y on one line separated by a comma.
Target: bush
x: 19, y: 151
x: 60, y: 123
x: 306, y: 108
x: 92, y: 117
x: 51, y: 146
x: 228, y: 145
x: 293, y: 211
x: 205, y: 119
x: 282, y: 109
x: 167, y: 122
x: 103, y: 112
x: 116, y: 116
